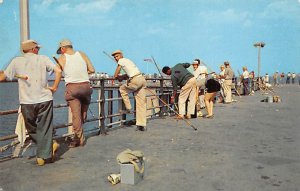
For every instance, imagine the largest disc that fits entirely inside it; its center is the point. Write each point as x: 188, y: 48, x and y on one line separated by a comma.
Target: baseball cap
x: 62, y: 43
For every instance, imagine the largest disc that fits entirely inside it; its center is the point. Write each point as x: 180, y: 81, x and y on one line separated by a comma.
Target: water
x: 9, y: 100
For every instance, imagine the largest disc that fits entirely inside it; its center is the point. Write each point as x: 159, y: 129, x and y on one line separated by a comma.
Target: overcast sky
x: 172, y: 31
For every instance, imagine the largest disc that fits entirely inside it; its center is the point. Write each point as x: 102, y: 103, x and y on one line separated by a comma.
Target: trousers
x: 137, y: 86
x: 188, y: 91
x: 38, y: 122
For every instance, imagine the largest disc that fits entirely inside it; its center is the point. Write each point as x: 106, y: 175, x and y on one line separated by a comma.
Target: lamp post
x: 259, y: 45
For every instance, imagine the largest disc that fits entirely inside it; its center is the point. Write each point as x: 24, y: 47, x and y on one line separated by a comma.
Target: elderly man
x: 35, y: 96
x: 137, y: 84
x: 181, y: 77
x: 228, y: 75
x: 77, y: 67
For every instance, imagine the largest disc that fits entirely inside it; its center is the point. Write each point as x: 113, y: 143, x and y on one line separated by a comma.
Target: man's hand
x: 172, y: 100
x: 122, y: 77
x: 53, y: 89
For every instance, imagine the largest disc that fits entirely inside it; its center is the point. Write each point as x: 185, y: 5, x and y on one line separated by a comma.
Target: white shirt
x: 245, y: 74
x: 200, y: 72
x: 75, y: 69
x: 222, y: 74
x: 129, y: 67
x: 266, y: 78
x: 33, y: 90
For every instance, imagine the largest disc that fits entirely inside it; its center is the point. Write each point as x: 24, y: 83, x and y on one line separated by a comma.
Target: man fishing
x: 181, y: 77
x: 35, y: 96
x: 76, y: 66
x: 137, y: 84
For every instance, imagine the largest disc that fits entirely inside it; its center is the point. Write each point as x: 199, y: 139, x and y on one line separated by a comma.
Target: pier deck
x: 249, y: 145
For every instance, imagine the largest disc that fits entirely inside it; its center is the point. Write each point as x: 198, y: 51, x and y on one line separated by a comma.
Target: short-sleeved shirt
x: 129, y: 67
x: 180, y: 75
x: 35, y: 67
x: 228, y: 74
x: 245, y: 74
x: 200, y: 72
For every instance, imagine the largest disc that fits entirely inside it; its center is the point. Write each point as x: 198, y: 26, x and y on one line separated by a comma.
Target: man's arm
x: 90, y: 67
x: 117, y: 72
x: 58, y: 72
x: 2, y: 76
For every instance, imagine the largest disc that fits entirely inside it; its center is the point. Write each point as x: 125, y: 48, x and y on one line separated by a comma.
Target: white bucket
x: 270, y: 99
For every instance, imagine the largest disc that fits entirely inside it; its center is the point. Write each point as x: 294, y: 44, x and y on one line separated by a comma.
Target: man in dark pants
x: 35, y: 96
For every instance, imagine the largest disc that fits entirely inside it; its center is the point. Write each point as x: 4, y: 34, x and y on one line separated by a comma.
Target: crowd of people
x: 193, y: 89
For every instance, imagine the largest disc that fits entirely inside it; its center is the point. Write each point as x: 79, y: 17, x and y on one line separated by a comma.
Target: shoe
x: 188, y: 116
x: 199, y: 114
x: 209, y: 116
x: 179, y: 117
x: 74, y: 144
x: 55, y: 147
x: 40, y: 161
x: 140, y: 128
x: 126, y: 111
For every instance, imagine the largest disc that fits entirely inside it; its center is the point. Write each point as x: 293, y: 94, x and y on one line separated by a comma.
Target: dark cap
x: 165, y: 69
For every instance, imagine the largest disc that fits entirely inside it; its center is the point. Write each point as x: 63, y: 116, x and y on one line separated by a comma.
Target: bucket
x: 270, y: 99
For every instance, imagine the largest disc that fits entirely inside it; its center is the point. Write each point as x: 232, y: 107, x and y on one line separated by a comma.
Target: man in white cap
x: 35, y: 96
x: 137, y: 84
x: 77, y: 67
x: 228, y: 75
x: 200, y: 72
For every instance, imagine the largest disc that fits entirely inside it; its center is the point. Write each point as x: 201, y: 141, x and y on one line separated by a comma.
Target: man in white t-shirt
x: 137, y: 84
x: 77, y: 67
x: 35, y: 96
x: 245, y: 78
x: 199, y: 72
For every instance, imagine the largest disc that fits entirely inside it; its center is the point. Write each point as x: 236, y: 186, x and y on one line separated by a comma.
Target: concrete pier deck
x: 248, y: 146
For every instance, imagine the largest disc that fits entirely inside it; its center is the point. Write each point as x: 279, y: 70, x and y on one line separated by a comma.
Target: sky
x: 170, y: 31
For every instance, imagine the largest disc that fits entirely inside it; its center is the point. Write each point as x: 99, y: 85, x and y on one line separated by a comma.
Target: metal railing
x: 107, y: 118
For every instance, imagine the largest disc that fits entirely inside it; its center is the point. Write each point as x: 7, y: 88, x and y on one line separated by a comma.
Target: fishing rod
x: 165, y: 104
x: 109, y: 56
x: 158, y: 68
x: 57, y: 62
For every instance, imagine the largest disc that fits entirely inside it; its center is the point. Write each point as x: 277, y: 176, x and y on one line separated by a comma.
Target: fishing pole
x: 157, y: 67
x: 165, y: 104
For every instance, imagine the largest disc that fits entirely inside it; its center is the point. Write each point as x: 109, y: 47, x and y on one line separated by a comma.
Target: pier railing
x: 109, y: 104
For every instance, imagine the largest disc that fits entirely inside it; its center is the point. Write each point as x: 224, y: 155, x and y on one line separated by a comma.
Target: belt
x: 135, y: 76
x: 80, y: 83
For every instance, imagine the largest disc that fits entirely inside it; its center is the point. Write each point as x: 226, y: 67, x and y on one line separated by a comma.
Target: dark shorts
x: 80, y: 91
x: 212, y: 86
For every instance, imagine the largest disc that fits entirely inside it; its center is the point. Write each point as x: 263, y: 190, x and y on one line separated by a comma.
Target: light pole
x: 259, y: 45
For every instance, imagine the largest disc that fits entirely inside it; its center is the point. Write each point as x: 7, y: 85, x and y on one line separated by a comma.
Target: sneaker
x: 40, y: 161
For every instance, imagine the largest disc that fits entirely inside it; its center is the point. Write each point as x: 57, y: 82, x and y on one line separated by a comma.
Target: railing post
x: 102, y: 105
x: 110, y: 105
x: 121, y: 106
x: 161, y: 90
